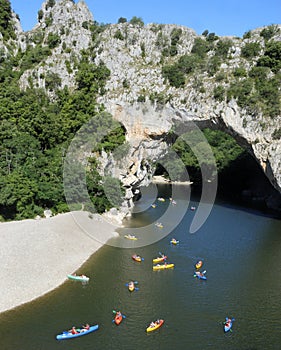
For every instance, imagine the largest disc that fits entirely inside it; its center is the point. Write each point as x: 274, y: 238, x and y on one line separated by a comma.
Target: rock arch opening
x: 253, y: 174
x: 241, y: 179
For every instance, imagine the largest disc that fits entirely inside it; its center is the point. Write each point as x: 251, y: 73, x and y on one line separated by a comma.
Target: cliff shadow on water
x: 242, y: 183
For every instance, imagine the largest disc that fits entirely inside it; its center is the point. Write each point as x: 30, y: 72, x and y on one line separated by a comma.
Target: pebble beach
x: 37, y: 255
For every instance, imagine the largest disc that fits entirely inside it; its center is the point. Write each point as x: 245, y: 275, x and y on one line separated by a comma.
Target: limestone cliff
x: 148, y: 102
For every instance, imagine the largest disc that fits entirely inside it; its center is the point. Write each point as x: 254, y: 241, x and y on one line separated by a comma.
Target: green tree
x: 40, y: 15
x: 92, y: 77
x: 122, y: 20
x: 52, y: 81
x: 53, y: 40
x: 219, y: 93
x: 175, y: 77
x: 137, y: 21
x: 188, y: 63
x: 50, y: 3
x: 6, y: 25
x: 118, y: 35
x: 268, y: 32
x: 250, y: 50
x: 200, y: 47
x: 222, y: 47
x: 272, y: 56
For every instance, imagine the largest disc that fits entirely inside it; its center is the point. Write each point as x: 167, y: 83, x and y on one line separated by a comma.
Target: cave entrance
x: 241, y: 180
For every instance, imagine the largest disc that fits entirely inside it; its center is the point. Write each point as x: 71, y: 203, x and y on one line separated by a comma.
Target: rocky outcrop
x: 70, y: 23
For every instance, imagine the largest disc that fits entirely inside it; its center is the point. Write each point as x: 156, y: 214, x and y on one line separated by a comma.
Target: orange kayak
x: 154, y: 325
x: 118, y: 318
x: 199, y: 264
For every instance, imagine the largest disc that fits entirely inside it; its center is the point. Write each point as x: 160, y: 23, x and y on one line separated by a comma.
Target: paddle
x: 161, y: 254
x: 116, y: 312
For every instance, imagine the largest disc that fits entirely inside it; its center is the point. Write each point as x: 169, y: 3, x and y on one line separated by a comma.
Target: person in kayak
x: 73, y: 330
x: 86, y: 326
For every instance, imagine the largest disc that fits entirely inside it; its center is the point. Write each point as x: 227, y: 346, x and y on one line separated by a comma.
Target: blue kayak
x: 68, y: 335
x: 200, y: 275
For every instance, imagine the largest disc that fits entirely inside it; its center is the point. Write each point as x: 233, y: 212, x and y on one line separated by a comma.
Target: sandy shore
x: 37, y: 255
x: 162, y: 180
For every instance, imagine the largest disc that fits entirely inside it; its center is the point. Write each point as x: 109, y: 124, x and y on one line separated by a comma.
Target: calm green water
x: 241, y: 251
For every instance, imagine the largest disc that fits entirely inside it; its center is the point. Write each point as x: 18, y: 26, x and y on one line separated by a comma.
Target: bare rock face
x: 70, y: 22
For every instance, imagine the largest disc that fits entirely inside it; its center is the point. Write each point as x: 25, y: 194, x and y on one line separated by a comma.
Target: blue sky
x: 224, y: 17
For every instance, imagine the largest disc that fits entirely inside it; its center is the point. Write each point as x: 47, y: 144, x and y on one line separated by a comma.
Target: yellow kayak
x: 131, y: 286
x: 159, y: 259
x: 137, y: 258
x: 154, y: 325
x: 134, y: 238
x: 163, y: 266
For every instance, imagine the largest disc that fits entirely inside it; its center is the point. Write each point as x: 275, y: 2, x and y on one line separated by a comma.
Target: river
x: 241, y: 253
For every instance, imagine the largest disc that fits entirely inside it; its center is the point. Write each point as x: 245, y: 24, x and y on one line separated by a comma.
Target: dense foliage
x: 35, y: 133
x: 224, y: 149
x: 6, y: 24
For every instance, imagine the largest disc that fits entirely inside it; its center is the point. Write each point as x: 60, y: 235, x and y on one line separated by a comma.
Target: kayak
x: 199, y: 264
x: 137, y: 258
x: 68, y: 335
x: 118, y: 318
x: 158, y: 224
x: 159, y: 259
x: 81, y: 278
x: 228, y: 324
x: 163, y: 266
x: 131, y: 286
x: 154, y: 325
x: 200, y: 275
x: 174, y: 241
x: 134, y: 238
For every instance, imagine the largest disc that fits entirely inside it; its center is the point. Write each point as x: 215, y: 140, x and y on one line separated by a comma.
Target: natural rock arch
x: 148, y: 124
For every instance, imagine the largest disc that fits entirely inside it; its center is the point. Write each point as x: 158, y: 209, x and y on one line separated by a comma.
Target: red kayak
x: 118, y: 318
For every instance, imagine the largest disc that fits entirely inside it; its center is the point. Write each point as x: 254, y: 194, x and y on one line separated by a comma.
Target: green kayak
x: 81, y: 278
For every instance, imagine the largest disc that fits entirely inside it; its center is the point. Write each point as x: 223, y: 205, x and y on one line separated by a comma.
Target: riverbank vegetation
x: 35, y: 132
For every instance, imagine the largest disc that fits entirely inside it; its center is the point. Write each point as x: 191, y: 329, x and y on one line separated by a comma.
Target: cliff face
x: 144, y: 100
